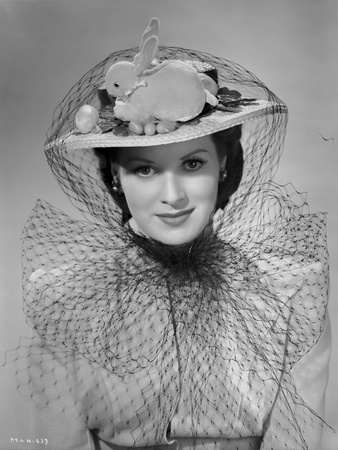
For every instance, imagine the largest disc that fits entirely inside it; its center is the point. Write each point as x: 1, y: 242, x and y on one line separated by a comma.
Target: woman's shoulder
x: 294, y: 272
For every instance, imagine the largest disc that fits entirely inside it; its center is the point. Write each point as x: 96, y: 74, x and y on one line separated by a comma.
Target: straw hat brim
x: 211, y: 123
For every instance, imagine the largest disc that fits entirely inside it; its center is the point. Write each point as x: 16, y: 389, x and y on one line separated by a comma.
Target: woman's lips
x: 175, y: 218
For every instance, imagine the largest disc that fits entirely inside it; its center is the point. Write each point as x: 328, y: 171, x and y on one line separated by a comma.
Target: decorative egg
x: 150, y: 129
x: 165, y: 126
x: 136, y: 127
x: 86, y: 119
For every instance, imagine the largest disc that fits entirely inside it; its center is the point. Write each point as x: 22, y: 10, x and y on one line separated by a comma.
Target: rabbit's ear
x: 152, y: 30
x: 146, y: 55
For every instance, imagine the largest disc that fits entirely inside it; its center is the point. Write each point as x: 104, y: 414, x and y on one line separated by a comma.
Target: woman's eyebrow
x: 193, y: 152
x: 149, y: 161
x: 137, y: 158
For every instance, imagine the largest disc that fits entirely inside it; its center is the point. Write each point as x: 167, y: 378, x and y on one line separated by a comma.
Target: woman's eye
x: 193, y: 164
x: 144, y: 171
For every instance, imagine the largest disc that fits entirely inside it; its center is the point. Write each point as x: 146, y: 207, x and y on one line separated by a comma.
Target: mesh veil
x: 197, y: 342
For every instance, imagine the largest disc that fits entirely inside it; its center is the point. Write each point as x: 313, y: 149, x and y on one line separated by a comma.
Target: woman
x: 190, y: 309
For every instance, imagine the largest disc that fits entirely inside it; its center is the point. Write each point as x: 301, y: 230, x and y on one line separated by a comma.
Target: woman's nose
x: 172, y: 191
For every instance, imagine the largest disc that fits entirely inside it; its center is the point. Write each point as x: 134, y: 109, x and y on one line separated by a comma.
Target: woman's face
x: 171, y: 190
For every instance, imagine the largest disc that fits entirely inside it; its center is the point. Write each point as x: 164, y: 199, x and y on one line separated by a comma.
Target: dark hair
x: 227, y: 143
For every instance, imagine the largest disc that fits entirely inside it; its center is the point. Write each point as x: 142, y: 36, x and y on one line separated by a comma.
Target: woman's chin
x: 168, y: 235
x: 170, y: 238
x: 177, y: 237
x: 175, y: 242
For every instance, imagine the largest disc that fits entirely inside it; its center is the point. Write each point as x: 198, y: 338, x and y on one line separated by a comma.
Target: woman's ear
x: 222, y: 170
x: 116, y: 185
x: 222, y: 162
x: 115, y: 170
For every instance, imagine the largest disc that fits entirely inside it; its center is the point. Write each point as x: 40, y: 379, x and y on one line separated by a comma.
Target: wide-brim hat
x: 256, y: 101
x: 205, y: 125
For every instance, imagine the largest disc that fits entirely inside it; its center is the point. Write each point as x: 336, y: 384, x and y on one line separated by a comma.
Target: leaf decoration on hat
x: 227, y: 93
x: 109, y: 122
x: 231, y: 100
x: 107, y: 119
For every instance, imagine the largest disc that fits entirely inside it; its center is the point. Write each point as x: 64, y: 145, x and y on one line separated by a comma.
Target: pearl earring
x: 117, y: 187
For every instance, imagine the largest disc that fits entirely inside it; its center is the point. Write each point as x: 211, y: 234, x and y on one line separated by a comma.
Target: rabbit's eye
x: 116, y: 85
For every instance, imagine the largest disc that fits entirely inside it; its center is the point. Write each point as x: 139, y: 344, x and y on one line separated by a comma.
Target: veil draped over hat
x: 205, y: 336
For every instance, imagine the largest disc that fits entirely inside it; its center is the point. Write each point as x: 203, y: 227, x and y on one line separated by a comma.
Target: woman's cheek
x: 138, y: 194
x: 206, y: 189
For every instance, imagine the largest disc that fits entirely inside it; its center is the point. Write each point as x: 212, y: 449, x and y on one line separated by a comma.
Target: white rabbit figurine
x: 149, y: 92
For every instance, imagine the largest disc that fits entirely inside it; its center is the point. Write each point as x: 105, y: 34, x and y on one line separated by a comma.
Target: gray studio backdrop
x: 47, y: 45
